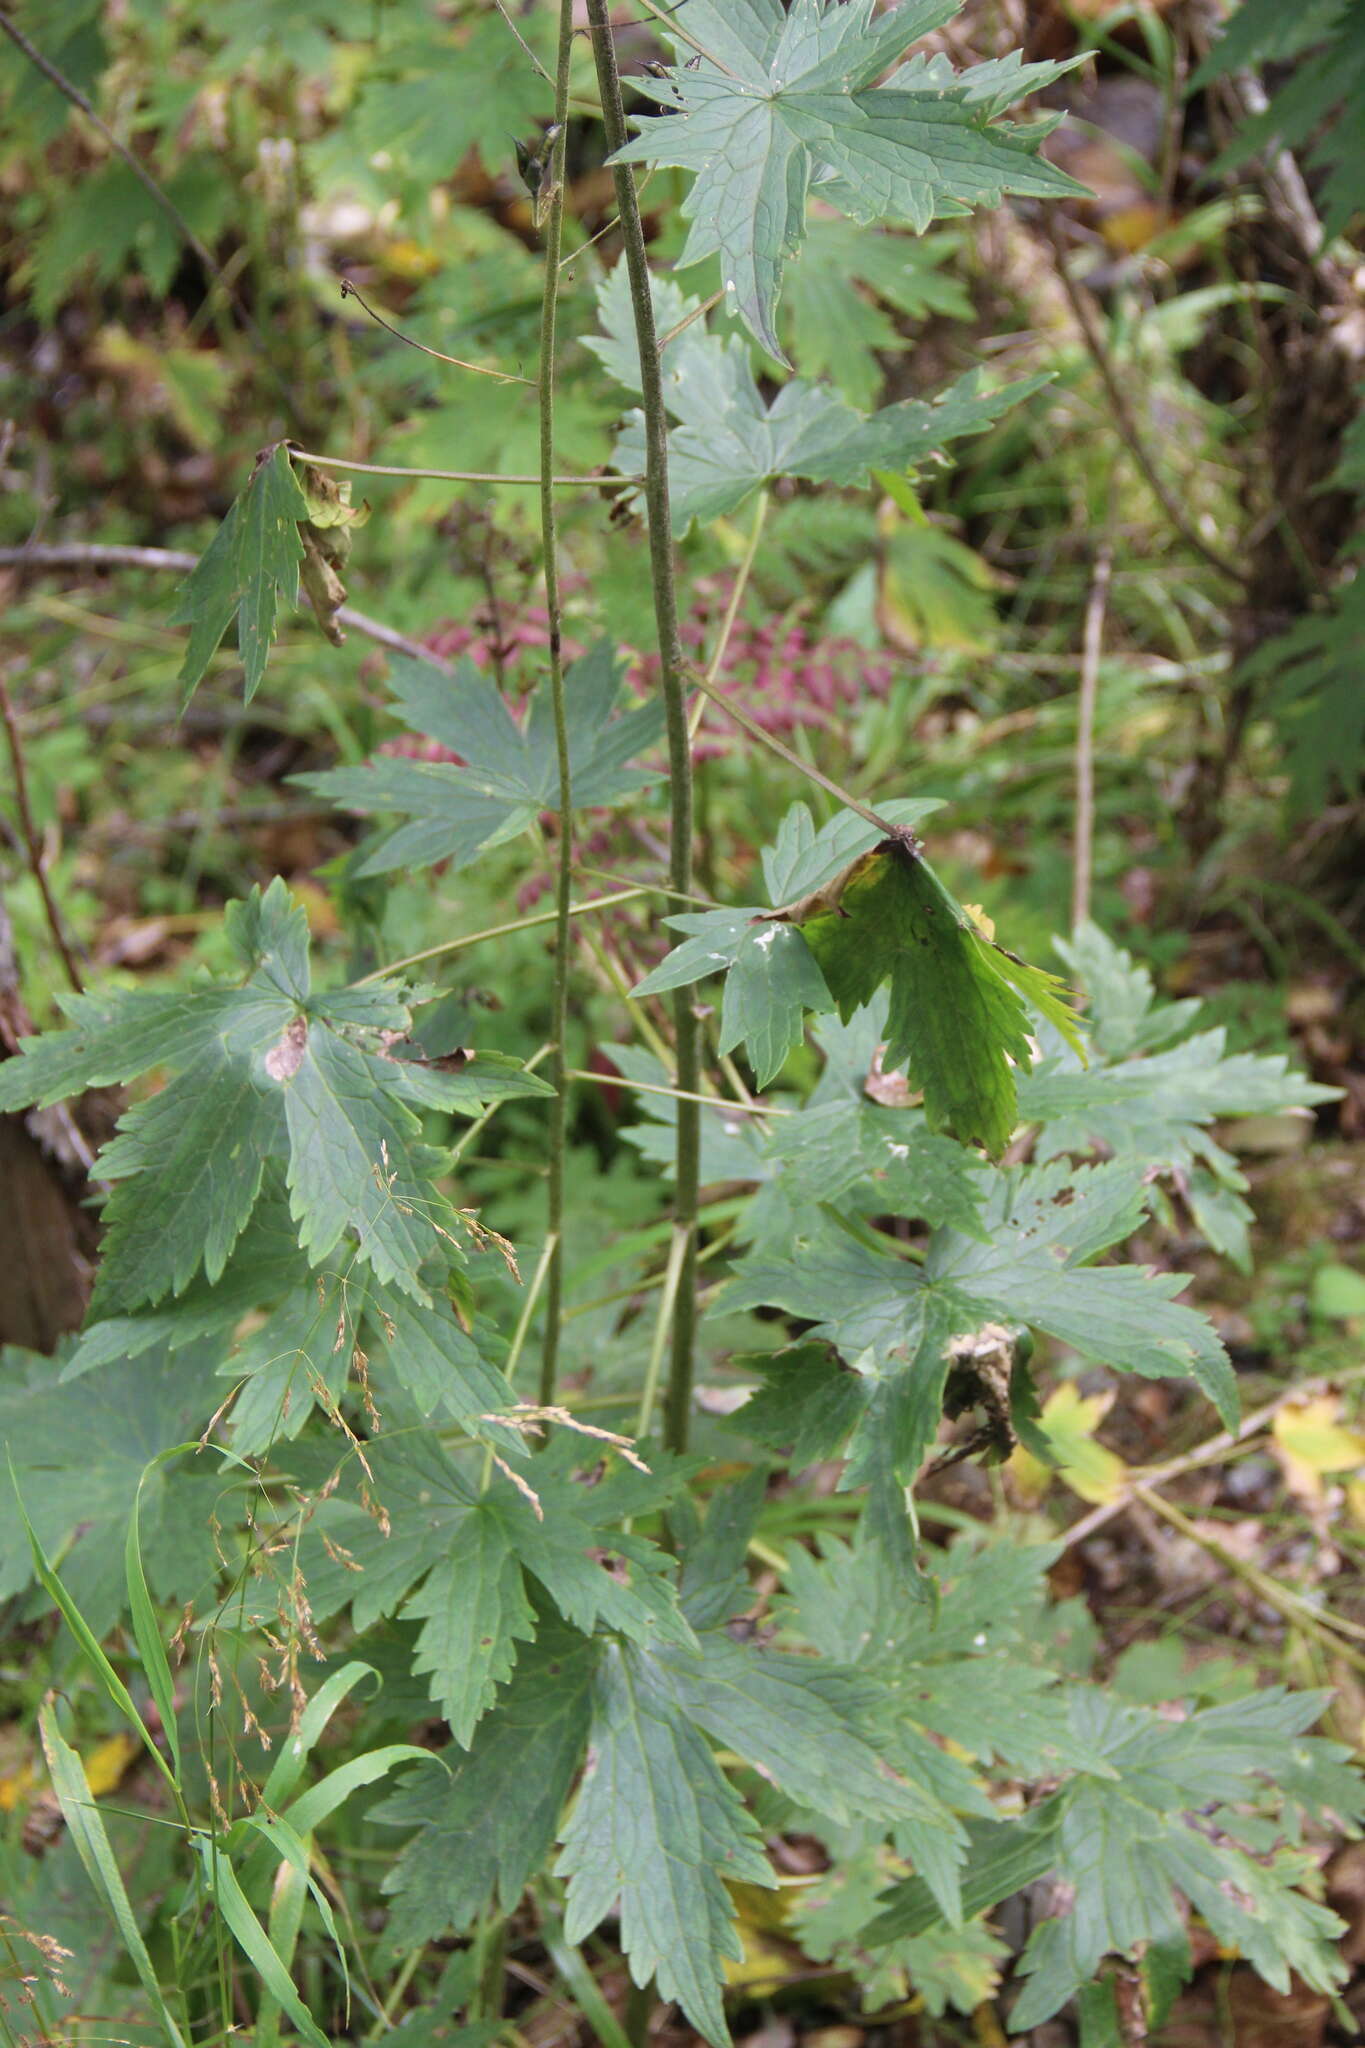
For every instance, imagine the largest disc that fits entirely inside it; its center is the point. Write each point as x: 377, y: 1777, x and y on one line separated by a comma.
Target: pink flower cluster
x: 783, y: 672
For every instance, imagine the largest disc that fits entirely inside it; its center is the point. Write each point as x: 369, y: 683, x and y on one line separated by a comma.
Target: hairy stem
x: 678, y: 1402
x: 549, y: 531
x: 1085, y: 737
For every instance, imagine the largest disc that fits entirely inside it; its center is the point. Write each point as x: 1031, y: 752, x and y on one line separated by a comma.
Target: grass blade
x: 93, y: 1846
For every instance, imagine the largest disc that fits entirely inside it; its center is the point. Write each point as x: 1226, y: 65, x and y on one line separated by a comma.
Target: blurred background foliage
x: 1201, y: 321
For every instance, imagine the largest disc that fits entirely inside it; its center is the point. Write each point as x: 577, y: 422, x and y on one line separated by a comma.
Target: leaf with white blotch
x: 726, y: 442
x: 771, y: 981
x: 782, y: 104
x: 656, y: 1833
x: 260, y: 1072
x: 507, y: 773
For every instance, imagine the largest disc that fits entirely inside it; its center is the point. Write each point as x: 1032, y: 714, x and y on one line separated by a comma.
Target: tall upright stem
x: 549, y: 528
x: 678, y: 1404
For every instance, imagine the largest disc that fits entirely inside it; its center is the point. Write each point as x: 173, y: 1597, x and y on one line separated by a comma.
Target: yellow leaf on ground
x: 1311, y: 1441
x: 768, y: 1959
x: 105, y: 1765
x: 16, y: 1786
x: 1069, y: 1421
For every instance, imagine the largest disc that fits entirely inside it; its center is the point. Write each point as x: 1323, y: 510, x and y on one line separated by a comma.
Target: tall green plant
x: 282, y: 1228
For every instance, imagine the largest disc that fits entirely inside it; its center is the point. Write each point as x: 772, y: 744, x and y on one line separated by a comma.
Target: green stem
x: 678, y: 1405
x: 501, y: 931
x: 549, y: 529
x: 518, y: 1344
x: 784, y: 753
x: 641, y: 2000
x: 492, y: 1953
x: 456, y: 476
x: 668, y: 1308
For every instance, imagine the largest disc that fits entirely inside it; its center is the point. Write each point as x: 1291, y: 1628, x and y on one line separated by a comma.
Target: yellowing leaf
x: 1311, y: 1441
x: 760, y: 1918
x: 16, y: 1784
x: 106, y: 1764
x: 1068, y: 1421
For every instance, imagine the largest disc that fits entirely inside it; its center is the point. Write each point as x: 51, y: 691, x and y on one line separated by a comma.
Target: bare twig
x: 348, y: 291
x: 502, y: 931
x: 98, y: 555
x: 460, y: 476
x: 1327, y: 1630
x: 776, y: 746
x: 522, y: 40
x: 1085, y: 735
x: 1125, y: 421
x: 727, y: 624
x: 698, y: 313
x: 33, y: 844
x: 1210, y: 1453
x: 718, y: 1102
x: 73, y: 93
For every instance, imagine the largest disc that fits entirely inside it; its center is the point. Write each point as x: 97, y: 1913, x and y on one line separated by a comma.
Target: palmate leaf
x: 268, y: 1070
x: 510, y: 772
x: 297, y: 1350
x: 840, y: 334
x: 1142, y: 1097
x: 425, y: 101
x: 79, y: 1454
x: 726, y: 442
x: 785, y: 102
x: 893, y: 1321
x: 487, y: 1820
x: 463, y: 1562
x: 1144, y: 1823
x: 476, y: 1611
x: 962, y: 1670
x: 944, y: 1966
x: 771, y: 978
x: 867, y: 913
x: 886, y: 1161
x: 656, y: 1832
